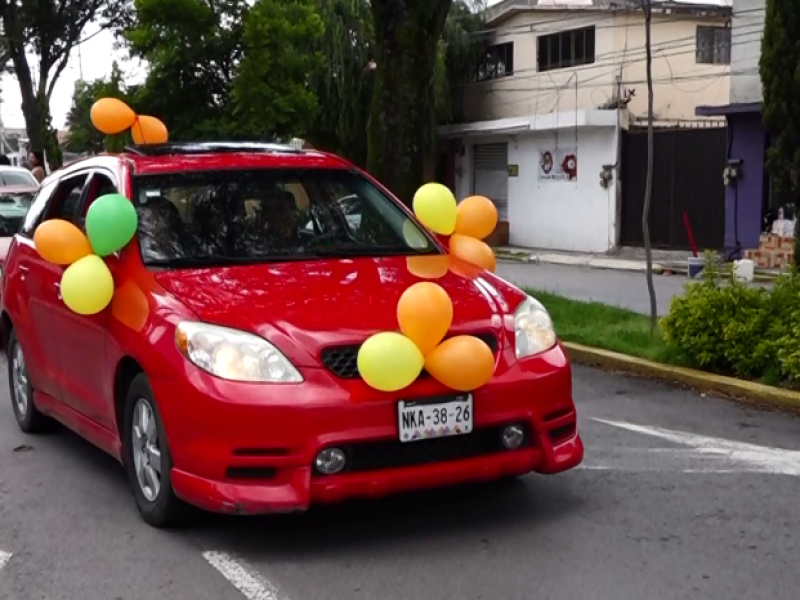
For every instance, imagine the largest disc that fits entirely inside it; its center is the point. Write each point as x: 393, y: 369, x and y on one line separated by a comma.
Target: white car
x: 16, y: 177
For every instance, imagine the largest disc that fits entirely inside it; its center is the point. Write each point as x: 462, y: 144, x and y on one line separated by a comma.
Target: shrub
x: 715, y: 324
x: 724, y: 326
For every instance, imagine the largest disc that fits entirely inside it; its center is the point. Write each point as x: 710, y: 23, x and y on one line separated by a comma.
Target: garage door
x: 490, y: 168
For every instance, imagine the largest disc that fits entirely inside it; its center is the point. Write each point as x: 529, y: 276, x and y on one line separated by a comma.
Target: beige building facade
x: 551, y: 56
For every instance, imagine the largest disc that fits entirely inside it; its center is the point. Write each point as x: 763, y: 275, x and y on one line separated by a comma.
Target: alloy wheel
x: 146, y: 450
x: 20, y: 381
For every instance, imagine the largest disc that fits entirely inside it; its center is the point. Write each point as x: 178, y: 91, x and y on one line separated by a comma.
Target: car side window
x: 38, y: 209
x: 99, y: 185
x: 67, y: 198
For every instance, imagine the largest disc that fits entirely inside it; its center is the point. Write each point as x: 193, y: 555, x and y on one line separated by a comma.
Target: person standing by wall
x: 36, y: 164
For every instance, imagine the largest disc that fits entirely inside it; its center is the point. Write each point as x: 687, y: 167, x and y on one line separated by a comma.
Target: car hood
x: 305, y: 306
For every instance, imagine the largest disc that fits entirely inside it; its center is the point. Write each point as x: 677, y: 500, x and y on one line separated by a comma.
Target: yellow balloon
x: 435, y: 207
x: 87, y: 286
x: 389, y: 361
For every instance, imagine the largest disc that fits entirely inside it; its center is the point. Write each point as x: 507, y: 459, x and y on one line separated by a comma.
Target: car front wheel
x: 28, y: 417
x: 147, y: 458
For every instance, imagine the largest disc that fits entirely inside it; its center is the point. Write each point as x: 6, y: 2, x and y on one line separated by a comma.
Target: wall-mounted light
x: 732, y: 173
x: 606, y: 176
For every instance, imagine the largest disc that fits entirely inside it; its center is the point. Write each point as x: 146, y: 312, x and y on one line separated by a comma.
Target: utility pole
x: 647, y: 6
x: 80, y: 64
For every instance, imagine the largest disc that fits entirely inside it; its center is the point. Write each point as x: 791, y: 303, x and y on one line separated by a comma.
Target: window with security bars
x: 713, y: 45
x: 498, y: 62
x: 564, y: 49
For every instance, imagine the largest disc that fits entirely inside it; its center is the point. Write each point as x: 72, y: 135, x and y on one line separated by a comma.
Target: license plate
x: 423, y: 421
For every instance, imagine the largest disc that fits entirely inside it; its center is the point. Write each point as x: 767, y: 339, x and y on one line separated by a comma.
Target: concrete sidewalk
x: 627, y: 259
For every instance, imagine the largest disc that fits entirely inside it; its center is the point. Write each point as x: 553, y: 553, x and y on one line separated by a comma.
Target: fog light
x: 513, y: 436
x: 330, y: 461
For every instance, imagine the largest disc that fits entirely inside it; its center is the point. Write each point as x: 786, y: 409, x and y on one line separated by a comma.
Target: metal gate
x: 687, y: 176
x: 490, y: 175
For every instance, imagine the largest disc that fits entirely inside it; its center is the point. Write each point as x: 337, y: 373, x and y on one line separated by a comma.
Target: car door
x: 83, y: 340
x: 30, y: 293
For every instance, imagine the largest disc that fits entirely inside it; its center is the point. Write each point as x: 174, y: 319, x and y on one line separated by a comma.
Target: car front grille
x: 392, y: 454
x: 342, y: 361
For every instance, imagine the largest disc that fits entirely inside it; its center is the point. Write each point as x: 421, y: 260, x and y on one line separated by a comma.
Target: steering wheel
x: 317, y: 240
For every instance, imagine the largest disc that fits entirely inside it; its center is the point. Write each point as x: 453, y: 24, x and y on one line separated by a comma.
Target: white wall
x: 746, y: 33
x: 557, y: 215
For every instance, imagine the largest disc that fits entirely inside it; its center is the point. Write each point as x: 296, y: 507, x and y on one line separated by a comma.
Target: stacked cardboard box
x: 773, y: 252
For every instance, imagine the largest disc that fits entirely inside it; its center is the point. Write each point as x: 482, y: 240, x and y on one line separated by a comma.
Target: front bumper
x: 247, y: 449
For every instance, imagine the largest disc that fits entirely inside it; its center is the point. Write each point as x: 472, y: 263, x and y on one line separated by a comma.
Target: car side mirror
x: 112, y: 262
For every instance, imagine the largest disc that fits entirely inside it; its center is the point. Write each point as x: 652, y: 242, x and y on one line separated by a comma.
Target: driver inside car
x: 278, y: 219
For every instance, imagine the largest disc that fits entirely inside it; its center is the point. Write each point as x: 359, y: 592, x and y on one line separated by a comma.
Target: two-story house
x: 561, y: 80
x: 747, y: 196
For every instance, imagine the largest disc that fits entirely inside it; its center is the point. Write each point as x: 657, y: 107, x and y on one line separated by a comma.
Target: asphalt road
x: 618, y: 288
x: 671, y: 503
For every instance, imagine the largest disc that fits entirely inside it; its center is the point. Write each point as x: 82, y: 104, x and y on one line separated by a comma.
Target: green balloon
x: 111, y: 223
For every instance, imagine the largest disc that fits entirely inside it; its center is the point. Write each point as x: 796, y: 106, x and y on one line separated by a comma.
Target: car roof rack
x: 177, y: 148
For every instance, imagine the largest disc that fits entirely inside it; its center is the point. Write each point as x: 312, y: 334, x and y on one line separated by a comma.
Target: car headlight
x: 233, y: 354
x: 533, y: 328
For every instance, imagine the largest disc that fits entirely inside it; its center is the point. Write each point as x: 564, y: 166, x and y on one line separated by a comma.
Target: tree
x: 230, y: 68
x: 83, y: 137
x: 50, y: 30
x: 779, y: 68
x: 271, y: 95
x: 407, y: 34
x: 648, y: 193
x: 344, y: 85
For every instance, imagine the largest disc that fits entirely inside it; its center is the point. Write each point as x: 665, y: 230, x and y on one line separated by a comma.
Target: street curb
x: 523, y: 258
x: 759, y: 277
x: 747, y: 391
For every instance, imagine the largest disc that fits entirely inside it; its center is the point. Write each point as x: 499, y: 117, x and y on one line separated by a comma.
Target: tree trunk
x: 16, y: 48
x: 648, y: 193
x: 406, y: 37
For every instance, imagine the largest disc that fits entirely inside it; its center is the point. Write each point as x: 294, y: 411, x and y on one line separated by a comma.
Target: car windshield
x: 207, y: 218
x: 18, y: 178
x: 13, y: 208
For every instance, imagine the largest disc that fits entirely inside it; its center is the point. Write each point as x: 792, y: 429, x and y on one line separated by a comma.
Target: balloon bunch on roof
x: 390, y: 361
x: 112, y: 116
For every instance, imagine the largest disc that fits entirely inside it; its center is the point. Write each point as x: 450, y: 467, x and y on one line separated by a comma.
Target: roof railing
x: 187, y: 148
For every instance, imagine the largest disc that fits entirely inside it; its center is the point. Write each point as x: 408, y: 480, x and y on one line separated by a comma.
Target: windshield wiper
x: 374, y: 251
x: 208, y: 262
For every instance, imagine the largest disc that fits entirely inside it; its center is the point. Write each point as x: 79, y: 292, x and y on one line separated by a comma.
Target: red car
x: 232, y: 383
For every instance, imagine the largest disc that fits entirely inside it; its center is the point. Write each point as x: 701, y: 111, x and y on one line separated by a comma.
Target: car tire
x: 28, y: 417
x: 147, y: 458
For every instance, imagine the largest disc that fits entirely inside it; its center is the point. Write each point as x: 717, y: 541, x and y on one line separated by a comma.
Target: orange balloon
x: 463, y: 363
x: 428, y: 267
x: 60, y: 242
x: 476, y: 216
x: 465, y: 269
x: 425, y: 313
x: 111, y: 116
x: 129, y: 306
x: 473, y: 250
x: 149, y: 130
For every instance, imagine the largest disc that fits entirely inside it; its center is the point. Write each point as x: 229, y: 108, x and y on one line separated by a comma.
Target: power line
x: 608, y: 57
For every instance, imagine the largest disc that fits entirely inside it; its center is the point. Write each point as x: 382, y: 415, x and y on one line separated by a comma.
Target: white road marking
x: 758, y: 459
x: 4, y: 558
x: 243, y: 578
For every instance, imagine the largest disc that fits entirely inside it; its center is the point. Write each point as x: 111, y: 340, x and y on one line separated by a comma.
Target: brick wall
x: 773, y: 252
